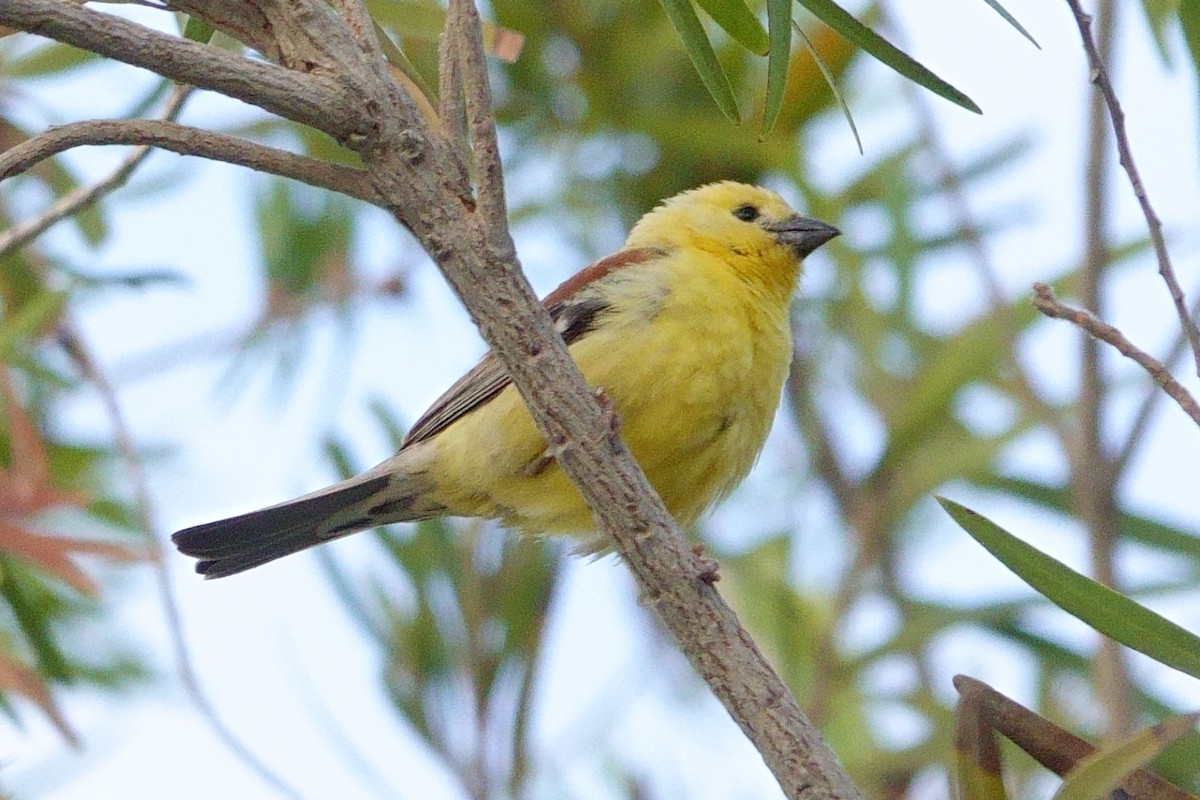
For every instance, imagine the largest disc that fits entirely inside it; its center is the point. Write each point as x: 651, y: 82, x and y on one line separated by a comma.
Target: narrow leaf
x: 736, y: 19
x: 401, y: 62
x: 854, y: 31
x: 1189, y: 22
x: 976, y: 752
x: 1158, y: 14
x: 779, y: 21
x: 1103, y: 771
x: 704, y: 58
x: 1011, y: 20
x: 31, y: 318
x: 425, y: 20
x: 1109, y: 612
x: 831, y: 82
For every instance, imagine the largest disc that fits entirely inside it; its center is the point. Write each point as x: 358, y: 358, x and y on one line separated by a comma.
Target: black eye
x: 746, y: 212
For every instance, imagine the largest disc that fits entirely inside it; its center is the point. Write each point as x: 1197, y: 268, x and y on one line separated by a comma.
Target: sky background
x: 273, y: 649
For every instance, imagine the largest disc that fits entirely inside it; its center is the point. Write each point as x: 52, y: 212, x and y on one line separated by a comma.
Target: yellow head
x: 750, y: 228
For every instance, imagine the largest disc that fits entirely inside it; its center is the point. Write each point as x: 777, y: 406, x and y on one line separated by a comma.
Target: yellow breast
x: 694, y: 364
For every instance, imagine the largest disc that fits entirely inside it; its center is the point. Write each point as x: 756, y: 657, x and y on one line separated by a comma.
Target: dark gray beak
x: 803, y: 234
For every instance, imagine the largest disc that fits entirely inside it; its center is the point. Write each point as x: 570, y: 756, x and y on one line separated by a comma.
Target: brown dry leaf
x: 503, y: 43
x: 26, y: 486
x: 18, y: 678
x: 54, y: 554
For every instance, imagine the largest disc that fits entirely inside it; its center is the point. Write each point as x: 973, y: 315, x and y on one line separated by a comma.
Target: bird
x: 685, y: 329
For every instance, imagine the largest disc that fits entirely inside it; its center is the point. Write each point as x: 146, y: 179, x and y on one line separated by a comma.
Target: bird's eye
x: 746, y: 212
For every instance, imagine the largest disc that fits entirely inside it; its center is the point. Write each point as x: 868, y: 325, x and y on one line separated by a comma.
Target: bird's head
x: 751, y: 227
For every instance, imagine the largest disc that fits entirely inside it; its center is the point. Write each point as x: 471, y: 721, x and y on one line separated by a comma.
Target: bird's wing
x: 574, y: 312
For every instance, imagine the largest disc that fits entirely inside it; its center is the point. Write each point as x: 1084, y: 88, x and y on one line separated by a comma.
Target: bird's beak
x: 801, y: 233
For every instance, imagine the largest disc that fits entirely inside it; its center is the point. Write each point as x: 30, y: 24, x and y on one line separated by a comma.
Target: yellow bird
x: 685, y: 329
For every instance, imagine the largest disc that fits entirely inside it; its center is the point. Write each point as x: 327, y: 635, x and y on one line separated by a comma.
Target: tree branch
x: 466, y: 42
x: 80, y: 354
x: 1048, y: 304
x: 361, y: 26
x: 1101, y: 80
x: 325, y: 103
x: 412, y: 170
x: 188, y: 141
x: 84, y: 196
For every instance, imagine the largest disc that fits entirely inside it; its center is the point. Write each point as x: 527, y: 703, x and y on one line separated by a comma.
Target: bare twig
x: 187, y: 140
x: 1048, y: 304
x: 466, y: 38
x: 1092, y: 478
x: 1141, y: 419
x: 451, y: 113
x: 81, y: 355
x: 85, y: 196
x: 1101, y: 80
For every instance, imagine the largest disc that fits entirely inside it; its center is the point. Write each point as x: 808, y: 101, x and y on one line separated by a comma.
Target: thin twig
x: 1141, y: 419
x: 81, y: 355
x: 85, y: 196
x: 1048, y: 304
x: 1092, y: 479
x: 190, y: 141
x: 451, y: 114
x: 465, y: 32
x: 1101, y: 80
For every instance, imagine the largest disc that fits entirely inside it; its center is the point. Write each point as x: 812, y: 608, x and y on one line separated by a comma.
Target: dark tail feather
x: 234, y: 545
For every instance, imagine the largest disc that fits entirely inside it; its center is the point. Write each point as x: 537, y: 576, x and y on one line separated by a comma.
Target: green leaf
x: 831, y: 82
x: 779, y: 20
x: 1109, y: 612
x: 29, y: 318
x: 1103, y: 771
x: 34, y: 606
x: 854, y: 31
x: 1135, y: 527
x: 704, y: 58
x: 976, y: 756
x: 198, y: 30
x: 1189, y: 22
x: 52, y: 59
x: 1011, y: 20
x: 736, y: 19
x: 397, y: 58
x: 1158, y: 14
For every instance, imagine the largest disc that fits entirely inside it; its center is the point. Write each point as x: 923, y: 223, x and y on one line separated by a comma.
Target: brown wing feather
x: 488, y: 378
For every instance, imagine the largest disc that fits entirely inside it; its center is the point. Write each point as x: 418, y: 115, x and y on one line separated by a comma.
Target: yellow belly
x: 696, y: 389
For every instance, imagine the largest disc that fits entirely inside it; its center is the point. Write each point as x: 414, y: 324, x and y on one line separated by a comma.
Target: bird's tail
x: 233, y: 545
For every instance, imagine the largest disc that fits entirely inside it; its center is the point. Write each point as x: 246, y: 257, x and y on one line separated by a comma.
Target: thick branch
x: 1049, y: 305
x: 316, y: 100
x: 415, y: 178
x: 188, y: 141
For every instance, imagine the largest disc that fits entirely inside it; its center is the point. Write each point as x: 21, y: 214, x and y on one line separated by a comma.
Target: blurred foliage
x: 603, y: 114
x: 461, y: 635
